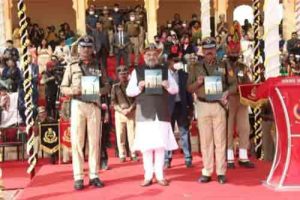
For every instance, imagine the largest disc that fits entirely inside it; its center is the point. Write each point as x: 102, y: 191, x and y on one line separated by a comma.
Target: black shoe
x: 167, y: 165
x: 122, y: 160
x: 246, y: 164
x: 188, y: 163
x: 78, y: 185
x: 204, y: 179
x: 221, y: 179
x: 96, y: 182
x: 230, y: 165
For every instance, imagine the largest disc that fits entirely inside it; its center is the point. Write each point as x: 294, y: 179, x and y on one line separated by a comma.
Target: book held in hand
x: 90, y: 89
x: 153, y: 81
x: 213, y: 88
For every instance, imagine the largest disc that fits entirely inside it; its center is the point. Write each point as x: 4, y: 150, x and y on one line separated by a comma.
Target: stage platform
x: 123, y: 179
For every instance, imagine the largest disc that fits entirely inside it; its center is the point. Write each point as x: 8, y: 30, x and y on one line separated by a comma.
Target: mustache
x: 151, y: 62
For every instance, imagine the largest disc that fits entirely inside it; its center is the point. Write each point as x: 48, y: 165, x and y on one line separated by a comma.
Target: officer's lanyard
x: 206, y: 71
x: 126, y: 98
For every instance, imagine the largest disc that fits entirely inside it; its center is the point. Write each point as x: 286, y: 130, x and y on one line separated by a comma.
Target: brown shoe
x: 146, y: 183
x: 163, y: 182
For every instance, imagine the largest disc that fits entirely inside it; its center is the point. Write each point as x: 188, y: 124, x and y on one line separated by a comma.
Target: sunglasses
x: 89, y: 47
x: 122, y: 70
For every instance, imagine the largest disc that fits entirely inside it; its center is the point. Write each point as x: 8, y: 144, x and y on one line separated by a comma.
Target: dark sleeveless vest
x: 150, y: 106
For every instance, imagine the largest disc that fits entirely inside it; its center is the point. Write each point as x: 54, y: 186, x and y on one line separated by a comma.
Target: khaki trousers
x: 268, y: 140
x: 142, y: 39
x: 238, y: 116
x: 135, y: 45
x: 124, y: 125
x: 212, y: 130
x: 111, y: 38
x: 85, y: 115
x: 65, y: 154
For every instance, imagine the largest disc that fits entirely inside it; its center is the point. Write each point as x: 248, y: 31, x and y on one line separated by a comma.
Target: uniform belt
x: 206, y: 101
x: 78, y: 99
x: 218, y: 102
x: 134, y: 35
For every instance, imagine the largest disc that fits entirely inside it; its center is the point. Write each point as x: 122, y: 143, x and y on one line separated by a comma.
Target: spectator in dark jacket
x: 293, y: 45
x: 12, y: 72
x: 101, y: 43
x: 11, y: 51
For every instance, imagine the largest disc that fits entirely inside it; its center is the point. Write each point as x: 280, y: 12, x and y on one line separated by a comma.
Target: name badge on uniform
x: 213, y: 88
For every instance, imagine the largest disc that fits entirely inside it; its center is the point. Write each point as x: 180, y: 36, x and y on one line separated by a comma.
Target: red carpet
x: 122, y: 183
x: 14, y: 174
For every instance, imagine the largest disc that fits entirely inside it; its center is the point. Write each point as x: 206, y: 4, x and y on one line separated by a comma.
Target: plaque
x: 213, y: 88
x: 90, y: 89
x: 153, y: 81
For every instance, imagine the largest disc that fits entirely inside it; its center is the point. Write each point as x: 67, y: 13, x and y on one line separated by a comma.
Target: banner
x: 65, y: 133
x: 249, y: 97
x: 49, y: 137
x: 11, y: 116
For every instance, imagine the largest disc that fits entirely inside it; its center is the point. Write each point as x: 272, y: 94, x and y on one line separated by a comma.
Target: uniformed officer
x: 211, y: 114
x: 84, y: 113
x: 133, y: 29
x: 141, y: 19
x: 108, y: 26
x: 91, y: 19
x: 238, y: 113
x: 124, y: 114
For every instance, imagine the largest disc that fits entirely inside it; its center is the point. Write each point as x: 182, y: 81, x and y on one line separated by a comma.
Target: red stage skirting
x: 122, y: 183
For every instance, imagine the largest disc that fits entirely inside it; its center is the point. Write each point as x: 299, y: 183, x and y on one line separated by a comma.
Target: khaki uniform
x: 83, y: 115
x: 108, y: 26
x: 211, y: 119
x: 269, y: 132
x: 141, y: 20
x: 133, y: 29
x: 124, y: 124
x: 238, y: 113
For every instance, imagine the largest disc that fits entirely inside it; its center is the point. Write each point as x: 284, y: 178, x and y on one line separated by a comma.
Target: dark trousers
x: 183, y: 125
x: 102, y: 57
x: 105, y: 143
x: 122, y: 54
x: 50, y: 105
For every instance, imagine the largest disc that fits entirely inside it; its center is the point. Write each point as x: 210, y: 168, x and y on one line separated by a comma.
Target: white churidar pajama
x: 153, y: 137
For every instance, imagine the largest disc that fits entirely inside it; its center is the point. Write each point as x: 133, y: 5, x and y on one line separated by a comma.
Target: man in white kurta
x: 154, y: 133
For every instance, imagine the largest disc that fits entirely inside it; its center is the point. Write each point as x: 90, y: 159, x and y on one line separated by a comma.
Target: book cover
x: 153, y: 81
x: 213, y: 88
x: 90, y: 89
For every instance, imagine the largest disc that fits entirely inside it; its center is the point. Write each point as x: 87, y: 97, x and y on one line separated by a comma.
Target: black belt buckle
x: 205, y: 101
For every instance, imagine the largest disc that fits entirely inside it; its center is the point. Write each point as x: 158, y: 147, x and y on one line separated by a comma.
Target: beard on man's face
x: 151, y: 62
